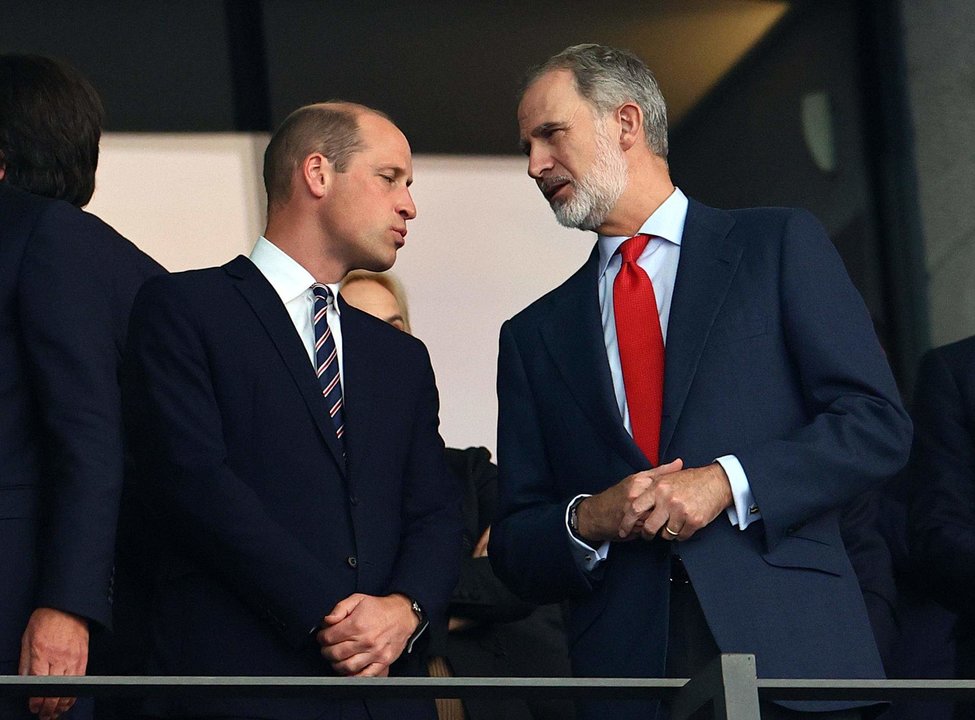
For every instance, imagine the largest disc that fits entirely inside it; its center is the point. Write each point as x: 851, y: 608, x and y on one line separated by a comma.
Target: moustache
x: 550, y: 185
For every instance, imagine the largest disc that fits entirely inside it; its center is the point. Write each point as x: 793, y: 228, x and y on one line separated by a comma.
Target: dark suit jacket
x: 943, y: 507
x: 262, y: 527
x: 67, y: 281
x: 770, y: 356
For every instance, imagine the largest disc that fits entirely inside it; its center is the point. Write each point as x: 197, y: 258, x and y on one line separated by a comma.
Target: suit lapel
x: 708, y: 262
x: 366, y: 374
x: 573, y: 336
x: 267, y: 305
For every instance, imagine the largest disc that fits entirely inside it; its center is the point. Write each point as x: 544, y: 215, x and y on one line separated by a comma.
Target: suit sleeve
x: 857, y: 434
x: 427, y: 563
x: 73, y: 320
x: 530, y: 548
x: 942, y: 513
x: 177, y: 438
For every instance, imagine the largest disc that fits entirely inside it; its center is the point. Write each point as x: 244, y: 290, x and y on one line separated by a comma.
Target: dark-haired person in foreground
x: 67, y: 282
x: 681, y: 420
x: 296, y: 485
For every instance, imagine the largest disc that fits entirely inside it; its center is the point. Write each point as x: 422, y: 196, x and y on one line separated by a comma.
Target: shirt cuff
x: 585, y: 556
x: 745, y: 511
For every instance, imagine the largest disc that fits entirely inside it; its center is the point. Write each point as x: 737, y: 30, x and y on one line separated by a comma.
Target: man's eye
x: 388, y: 178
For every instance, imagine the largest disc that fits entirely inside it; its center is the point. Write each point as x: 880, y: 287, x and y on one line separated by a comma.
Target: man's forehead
x: 554, y: 84
x: 552, y: 97
x: 383, y: 142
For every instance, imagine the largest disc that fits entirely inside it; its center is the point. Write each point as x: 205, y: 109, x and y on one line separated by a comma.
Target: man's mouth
x: 551, y: 187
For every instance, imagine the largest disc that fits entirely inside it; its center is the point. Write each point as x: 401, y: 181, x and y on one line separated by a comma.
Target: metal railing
x: 728, y: 683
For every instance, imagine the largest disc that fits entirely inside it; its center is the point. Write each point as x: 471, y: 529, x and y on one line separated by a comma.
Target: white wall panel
x: 483, y: 246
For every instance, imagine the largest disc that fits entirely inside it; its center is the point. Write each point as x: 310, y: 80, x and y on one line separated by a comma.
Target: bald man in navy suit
x: 288, y: 444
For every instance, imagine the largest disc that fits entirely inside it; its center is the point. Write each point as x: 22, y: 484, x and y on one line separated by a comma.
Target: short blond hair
x: 388, y: 281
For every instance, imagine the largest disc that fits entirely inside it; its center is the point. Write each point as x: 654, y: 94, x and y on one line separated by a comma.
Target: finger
x: 342, y: 651
x: 628, y: 522
x: 375, y: 669
x: 671, y: 530
x: 667, y: 468
x: 355, y: 664
x: 637, y: 511
x: 654, y: 522
x: 65, y: 704
x: 343, y: 609
x: 35, y: 704
x: 48, y: 708
x: 336, y: 634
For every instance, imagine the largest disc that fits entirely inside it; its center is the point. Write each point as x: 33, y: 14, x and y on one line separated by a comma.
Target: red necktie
x: 641, y: 346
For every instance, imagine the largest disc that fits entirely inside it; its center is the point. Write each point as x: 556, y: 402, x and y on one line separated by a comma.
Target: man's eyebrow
x: 547, y: 127
x: 542, y: 130
x: 398, y: 171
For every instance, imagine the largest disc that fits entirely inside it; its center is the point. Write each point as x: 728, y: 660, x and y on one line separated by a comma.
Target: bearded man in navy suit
x: 681, y: 420
x: 287, y: 444
x: 67, y: 282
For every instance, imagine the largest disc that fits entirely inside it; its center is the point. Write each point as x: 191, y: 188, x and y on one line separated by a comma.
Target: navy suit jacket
x: 261, y: 525
x: 943, y: 509
x: 67, y: 282
x: 770, y: 356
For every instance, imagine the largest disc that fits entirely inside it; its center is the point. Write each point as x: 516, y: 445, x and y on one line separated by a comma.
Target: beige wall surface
x: 483, y: 246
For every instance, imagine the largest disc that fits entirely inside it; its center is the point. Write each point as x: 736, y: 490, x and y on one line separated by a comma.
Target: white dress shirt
x: 293, y: 284
x: 659, y: 260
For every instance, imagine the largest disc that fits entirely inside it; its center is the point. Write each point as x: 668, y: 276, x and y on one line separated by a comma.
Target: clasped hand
x: 668, y: 502
x: 364, y: 634
x: 54, y: 643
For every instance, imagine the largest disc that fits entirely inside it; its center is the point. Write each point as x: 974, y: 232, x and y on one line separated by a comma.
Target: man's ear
x: 631, y: 124
x: 316, y: 174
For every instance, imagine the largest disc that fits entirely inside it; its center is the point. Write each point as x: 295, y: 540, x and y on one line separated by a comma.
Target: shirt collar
x: 666, y: 222
x: 288, y: 278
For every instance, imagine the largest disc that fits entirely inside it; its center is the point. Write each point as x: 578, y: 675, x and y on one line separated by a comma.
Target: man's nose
x: 539, y: 161
x: 407, y: 208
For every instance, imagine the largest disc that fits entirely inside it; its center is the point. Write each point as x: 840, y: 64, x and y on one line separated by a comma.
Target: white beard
x: 595, y: 194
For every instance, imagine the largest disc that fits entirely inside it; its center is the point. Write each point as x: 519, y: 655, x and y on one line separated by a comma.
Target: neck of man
x: 301, y: 239
x: 648, y: 185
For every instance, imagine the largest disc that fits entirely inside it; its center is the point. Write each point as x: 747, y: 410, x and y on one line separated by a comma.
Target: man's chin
x: 567, y: 219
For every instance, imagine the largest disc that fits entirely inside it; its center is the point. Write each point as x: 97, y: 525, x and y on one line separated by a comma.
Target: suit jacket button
x: 352, y: 561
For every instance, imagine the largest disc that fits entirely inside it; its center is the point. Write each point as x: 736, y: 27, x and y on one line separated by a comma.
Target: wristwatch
x: 421, y: 626
x: 574, y: 517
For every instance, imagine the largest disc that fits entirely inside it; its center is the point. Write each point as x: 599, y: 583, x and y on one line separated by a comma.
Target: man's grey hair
x: 608, y: 77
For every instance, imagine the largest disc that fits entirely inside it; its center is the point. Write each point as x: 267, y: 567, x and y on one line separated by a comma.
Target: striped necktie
x: 327, y: 358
